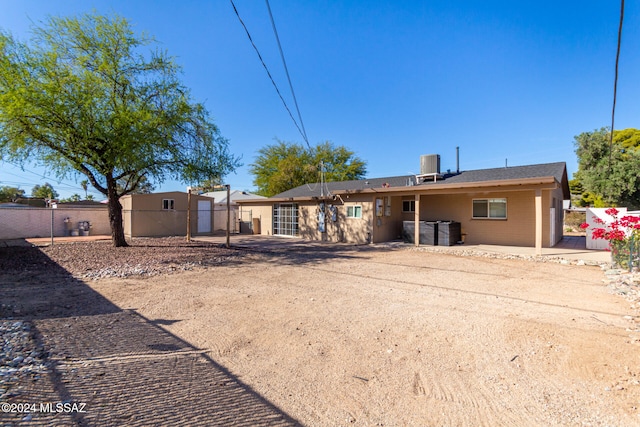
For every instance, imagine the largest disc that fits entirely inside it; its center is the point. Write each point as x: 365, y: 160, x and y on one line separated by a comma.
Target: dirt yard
x: 336, y: 336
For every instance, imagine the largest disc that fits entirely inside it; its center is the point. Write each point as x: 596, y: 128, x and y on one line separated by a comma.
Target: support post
x: 52, y: 216
x: 416, y: 219
x: 538, y: 231
x: 188, y: 214
x: 228, y: 214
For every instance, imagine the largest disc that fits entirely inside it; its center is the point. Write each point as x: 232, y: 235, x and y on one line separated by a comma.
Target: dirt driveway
x: 338, y: 336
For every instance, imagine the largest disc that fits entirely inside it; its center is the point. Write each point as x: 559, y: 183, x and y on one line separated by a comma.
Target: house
x: 83, y: 204
x: 517, y: 205
x: 239, y: 220
x: 165, y: 214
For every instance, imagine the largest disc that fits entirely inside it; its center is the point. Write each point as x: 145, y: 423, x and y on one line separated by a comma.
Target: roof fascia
x: 547, y: 180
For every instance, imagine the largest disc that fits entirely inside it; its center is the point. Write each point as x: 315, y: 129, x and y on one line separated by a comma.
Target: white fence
x: 27, y: 222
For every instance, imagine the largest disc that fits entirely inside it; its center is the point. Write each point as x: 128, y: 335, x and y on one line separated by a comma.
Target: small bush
x: 572, y: 220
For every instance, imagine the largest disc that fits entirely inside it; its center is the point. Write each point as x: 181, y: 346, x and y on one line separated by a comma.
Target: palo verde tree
x: 86, y: 97
x: 609, y: 174
x: 283, y: 166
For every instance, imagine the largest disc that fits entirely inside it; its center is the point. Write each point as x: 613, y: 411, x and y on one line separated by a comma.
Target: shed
x: 165, y: 214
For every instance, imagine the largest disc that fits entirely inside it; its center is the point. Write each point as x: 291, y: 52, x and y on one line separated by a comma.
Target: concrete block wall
x: 24, y: 223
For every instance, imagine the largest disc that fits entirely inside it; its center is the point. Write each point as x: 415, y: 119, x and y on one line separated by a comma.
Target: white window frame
x: 502, y: 200
x: 168, y: 204
x: 387, y: 206
x: 356, y: 211
x: 285, y: 219
x: 412, y: 206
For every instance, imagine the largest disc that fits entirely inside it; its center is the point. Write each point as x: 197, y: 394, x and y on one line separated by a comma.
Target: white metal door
x: 204, y: 216
x: 552, y: 226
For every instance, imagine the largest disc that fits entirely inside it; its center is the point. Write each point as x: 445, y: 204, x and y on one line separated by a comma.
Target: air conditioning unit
x: 430, y: 164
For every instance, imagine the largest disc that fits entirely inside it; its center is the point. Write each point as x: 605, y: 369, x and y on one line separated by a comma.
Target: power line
x: 61, y: 185
x: 615, y: 84
x: 267, y: 70
x: 295, y: 101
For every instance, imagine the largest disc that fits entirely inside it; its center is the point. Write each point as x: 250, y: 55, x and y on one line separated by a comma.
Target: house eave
x: 276, y: 199
x: 549, y: 181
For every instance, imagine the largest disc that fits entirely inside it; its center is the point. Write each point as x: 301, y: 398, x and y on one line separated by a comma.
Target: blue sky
x: 510, y: 81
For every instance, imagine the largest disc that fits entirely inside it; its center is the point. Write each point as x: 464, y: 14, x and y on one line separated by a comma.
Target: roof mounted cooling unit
x: 429, y: 164
x: 429, y: 167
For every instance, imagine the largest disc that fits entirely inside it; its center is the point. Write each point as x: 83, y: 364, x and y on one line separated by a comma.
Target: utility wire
x: 295, y: 101
x: 615, y: 84
x: 66, y: 185
x: 267, y: 70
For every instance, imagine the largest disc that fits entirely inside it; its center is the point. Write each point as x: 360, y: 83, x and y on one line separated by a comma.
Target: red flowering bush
x: 623, y: 235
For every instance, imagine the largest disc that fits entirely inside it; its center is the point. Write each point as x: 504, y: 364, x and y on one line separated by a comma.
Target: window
x: 168, y: 204
x: 387, y: 206
x: 354, y: 211
x: 490, y: 208
x: 408, y: 206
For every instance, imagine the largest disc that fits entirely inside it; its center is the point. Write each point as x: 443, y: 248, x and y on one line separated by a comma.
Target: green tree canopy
x: 86, y: 97
x: 609, y: 179
x: 143, y: 186
x: 10, y: 194
x: 283, y: 166
x: 73, y: 198
x: 44, y: 191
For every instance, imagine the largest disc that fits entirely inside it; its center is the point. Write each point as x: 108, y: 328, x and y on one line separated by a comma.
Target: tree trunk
x: 115, y: 215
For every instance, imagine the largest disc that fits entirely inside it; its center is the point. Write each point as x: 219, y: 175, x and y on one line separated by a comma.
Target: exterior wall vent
x: 430, y: 164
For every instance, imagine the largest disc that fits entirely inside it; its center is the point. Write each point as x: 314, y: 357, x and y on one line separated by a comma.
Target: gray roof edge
x: 556, y: 170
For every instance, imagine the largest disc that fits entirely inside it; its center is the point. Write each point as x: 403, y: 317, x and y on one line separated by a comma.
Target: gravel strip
x: 21, y: 357
x: 496, y: 255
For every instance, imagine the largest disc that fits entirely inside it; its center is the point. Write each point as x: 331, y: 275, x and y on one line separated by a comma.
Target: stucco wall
x: 517, y: 230
x: 265, y: 215
x: 355, y: 230
x: 386, y: 228
x: 22, y: 223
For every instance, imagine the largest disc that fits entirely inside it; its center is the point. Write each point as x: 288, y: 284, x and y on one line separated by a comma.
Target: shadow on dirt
x: 294, y: 251
x: 110, y: 366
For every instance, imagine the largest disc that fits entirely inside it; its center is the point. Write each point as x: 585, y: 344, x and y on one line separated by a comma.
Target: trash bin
x: 68, y: 226
x: 408, y: 231
x: 84, y: 227
x: 449, y: 233
x: 428, y: 232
